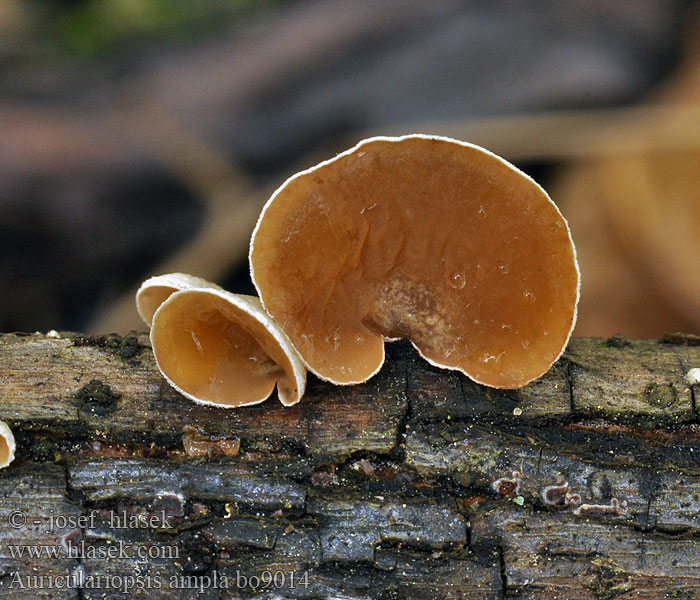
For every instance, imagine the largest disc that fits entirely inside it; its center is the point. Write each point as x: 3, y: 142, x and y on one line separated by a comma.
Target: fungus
x: 70, y: 542
x: 7, y: 445
x: 615, y: 508
x: 169, y: 503
x: 559, y: 495
x: 507, y: 487
x: 222, y: 349
x: 156, y: 290
x: 423, y: 238
x: 693, y: 376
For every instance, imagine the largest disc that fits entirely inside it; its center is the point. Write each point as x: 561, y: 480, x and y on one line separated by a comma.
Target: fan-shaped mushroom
x: 222, y: 349
x: 7, y: 445
x: 418, y: 237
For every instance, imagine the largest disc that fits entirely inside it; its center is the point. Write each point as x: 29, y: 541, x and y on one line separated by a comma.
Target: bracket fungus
x: 423, y: 238
x: 7, y: 445
x: 216, y: 347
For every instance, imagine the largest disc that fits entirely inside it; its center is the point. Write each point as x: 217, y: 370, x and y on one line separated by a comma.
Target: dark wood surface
x: 400, y: 488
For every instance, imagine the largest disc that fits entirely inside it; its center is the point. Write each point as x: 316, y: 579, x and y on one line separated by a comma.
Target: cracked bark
x: 375, y: 491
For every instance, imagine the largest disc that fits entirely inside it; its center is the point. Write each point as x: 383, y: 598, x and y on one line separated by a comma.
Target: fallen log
x: 418, y: 484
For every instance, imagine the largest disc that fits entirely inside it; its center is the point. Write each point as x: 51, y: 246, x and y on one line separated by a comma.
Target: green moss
x: 96, y: 26
x: 661, y: 395
x: 43, y: 451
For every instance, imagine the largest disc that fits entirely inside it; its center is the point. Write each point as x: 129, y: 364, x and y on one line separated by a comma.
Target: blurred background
x: 143, y: 136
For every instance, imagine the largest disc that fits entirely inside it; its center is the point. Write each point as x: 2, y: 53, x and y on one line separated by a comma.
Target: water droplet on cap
x: 457, y: 280
x: 530, y: 297
x: 504, y: 268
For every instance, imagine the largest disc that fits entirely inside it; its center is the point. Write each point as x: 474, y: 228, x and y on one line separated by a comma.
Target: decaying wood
x: 384, y: 490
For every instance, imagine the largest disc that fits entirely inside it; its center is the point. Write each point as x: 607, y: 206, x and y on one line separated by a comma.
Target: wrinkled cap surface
x: 423, y: 238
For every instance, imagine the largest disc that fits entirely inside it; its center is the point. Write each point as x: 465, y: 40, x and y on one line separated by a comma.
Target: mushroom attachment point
x: 7, y: 445
x: 423, y: 238
x: 219, y: 348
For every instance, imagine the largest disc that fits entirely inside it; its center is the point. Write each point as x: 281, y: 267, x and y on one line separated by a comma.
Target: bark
x: 400, y: 488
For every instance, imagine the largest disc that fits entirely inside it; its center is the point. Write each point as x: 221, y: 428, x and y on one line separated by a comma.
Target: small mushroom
x: 507, y: 487
x: 423, y: 238
x: 156, y: 290
x: 559, y: 495
x: 7, y: 445
x: 222, y: 349
x: 693, y: 376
